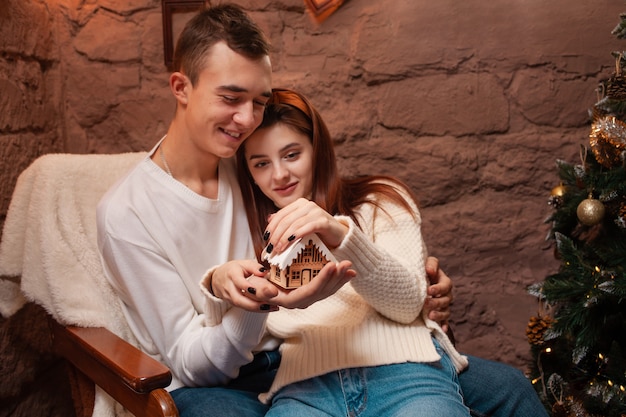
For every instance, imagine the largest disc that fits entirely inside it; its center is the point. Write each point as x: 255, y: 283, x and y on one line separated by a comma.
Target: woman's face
x: 280, y: 160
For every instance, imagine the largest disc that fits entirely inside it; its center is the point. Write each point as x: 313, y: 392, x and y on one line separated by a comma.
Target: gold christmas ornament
x: 558, y: 191
x: 608, y: 140
x: 590, y: 211
x: 556, y: 196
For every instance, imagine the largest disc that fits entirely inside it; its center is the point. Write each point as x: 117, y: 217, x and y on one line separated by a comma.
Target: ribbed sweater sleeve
x: 388, y: 255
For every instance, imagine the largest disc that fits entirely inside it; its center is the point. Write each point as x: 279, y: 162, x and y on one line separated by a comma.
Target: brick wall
x: 470, y: 102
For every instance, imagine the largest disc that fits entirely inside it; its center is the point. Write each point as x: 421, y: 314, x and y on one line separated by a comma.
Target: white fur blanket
x: 49, y: 241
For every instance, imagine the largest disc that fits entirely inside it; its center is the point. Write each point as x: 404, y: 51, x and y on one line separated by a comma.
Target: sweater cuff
x: 358, y: 248
x: 214, y: 308
x: 242, y: 322
x: 205, y: 284
x: 246, y: 329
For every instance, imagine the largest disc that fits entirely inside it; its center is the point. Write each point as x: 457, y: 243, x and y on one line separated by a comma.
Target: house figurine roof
x: 286, y: 258
x: 299, y: 263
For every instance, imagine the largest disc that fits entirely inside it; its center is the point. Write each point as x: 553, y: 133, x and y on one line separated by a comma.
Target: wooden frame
x: 320, y: 10
x: 175, y: 14
x: 98, y: 357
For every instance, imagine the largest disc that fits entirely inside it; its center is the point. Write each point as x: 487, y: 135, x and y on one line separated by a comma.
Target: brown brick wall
x: 470, y: 102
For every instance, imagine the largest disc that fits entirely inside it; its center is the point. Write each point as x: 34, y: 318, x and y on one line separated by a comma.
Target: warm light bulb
x: 548, y: 350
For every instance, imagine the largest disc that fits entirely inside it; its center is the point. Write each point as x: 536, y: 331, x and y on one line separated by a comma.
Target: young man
x: 179, y: 213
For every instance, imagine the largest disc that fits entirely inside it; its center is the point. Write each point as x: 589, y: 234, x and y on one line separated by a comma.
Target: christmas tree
x: 578, y: 338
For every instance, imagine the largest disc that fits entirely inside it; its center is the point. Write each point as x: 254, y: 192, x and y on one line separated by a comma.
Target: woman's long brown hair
x: 335, y: 194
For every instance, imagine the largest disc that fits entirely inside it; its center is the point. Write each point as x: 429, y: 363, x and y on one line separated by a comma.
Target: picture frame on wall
x: 176, y: 13
x: 320, y: 10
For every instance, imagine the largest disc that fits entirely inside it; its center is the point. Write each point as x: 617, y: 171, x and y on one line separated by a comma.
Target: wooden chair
x: 99, y: 357
x: 49, y: 241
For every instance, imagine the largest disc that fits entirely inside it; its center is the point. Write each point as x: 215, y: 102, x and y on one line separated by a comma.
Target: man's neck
x: 197, y: 170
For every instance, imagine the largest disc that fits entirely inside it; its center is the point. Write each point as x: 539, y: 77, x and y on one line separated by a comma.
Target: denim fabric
x: 238, y: 398
x: 217, y: 402
x: 494, y: 389
x: 399, y: 390
x: 490, y: 389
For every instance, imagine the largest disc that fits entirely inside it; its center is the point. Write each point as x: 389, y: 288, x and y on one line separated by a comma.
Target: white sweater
x: 157, y: 239
x: 377, y: 318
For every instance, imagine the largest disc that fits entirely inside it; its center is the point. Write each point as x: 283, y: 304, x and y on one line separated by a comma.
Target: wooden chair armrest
x: 131, y: 377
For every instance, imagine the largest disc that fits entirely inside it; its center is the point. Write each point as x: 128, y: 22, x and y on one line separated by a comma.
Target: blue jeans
x: 494, y: 389
x: 238, y: 398
x: 489, y: 388
x: 399, y: 390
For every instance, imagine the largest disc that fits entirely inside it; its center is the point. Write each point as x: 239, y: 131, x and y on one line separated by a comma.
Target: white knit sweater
x: 377, y: 318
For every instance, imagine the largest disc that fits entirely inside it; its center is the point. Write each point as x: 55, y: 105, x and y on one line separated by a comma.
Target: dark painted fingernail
x: 252, y: 290
x: 290, y: 238
x: 269, y: 248
x: 266, y: 235
x: 262, y: 269
x: 265, y: 307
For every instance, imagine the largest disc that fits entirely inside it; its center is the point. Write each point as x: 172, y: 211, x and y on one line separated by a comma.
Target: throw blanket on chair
x: 49, y: 241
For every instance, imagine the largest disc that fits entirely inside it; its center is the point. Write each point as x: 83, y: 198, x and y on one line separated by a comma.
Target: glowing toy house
x: 300, y: 263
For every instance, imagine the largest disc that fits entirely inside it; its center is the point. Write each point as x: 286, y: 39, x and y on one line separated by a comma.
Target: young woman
x: 368, y: 349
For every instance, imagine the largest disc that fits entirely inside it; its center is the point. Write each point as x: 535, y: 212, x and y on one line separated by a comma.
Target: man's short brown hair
x: 226, y: 22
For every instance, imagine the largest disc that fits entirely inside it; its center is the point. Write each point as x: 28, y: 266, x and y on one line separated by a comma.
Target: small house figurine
x: 300, y: 263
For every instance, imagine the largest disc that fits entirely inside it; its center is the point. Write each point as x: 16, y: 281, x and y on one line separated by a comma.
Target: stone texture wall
x: 470, y: 102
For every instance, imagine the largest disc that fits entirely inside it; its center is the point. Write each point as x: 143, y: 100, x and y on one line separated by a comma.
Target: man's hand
x: 440, y: 292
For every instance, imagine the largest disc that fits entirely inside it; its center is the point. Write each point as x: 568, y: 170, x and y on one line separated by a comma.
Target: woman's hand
x: 330, y: 279
x: 242, y: 283
x: 300, y: 218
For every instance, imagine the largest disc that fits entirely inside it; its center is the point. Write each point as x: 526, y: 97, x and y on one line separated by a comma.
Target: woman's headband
x: 282, y: 96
